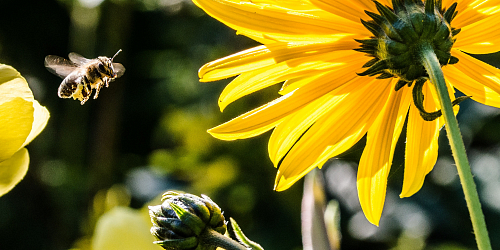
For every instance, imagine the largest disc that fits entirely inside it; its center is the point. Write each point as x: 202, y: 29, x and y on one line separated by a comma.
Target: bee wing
x: 78, y: 59
x: 119, y: 69
x: 59, y: 66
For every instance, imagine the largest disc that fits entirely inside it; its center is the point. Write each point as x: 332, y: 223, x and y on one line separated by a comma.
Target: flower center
x: 398, y: 35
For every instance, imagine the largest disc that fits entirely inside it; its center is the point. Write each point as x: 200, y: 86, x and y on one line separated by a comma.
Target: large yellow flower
x: 319, y: 49
x: 22, y: 118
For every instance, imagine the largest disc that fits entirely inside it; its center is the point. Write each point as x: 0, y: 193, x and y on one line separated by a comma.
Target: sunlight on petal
x: 481, y: 37
x: 421, y: 146
x: 41, y: 117
x: 253, y: 81
x: 13, y: 170
x: 376, y: 160
x: 271, y: 17
x: 16, y: 119
x: 471, y: 87
x: 482, y: 72
x: 335, y: 132
x: 262, y: 119
x: 471, y: 11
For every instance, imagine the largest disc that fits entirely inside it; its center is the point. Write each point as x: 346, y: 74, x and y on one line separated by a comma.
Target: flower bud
x: 399, y: 33
x: 181, y: 220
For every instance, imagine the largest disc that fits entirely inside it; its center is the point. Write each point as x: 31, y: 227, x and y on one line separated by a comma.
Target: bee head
x: 105, y: 66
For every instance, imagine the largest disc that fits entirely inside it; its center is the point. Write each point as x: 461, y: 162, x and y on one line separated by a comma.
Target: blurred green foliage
x: 146, y: 133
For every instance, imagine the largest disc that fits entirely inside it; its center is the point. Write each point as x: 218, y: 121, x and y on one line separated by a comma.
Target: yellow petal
x: 480, y: 37
x: 267, y: 55
x: 268, y: 38
x: 13, y: 170
x: 262, y: 119
x: 41, y: 117
x: 286, y: 134
x: 350, y: 10
x: 481, y: 72
x: 471, y: 11
x: 16, y: 119
x: 471, y: 87
x: 255, y: 80
x: 336, y: 131
x: 13, y: 85
x: 123, y: 228
x: 421, y: 145
x: 276, y: 17
x: 376, y: 159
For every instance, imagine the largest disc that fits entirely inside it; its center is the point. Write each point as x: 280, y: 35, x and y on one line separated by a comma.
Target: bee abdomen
x: 69, y: 86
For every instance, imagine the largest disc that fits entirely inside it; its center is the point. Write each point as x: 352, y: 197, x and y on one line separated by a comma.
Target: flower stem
x: 211, y: 237
x: 431, y: 64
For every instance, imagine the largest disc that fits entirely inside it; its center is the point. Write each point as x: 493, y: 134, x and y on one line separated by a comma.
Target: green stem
x: 211, y: 237
x: 431, y: 64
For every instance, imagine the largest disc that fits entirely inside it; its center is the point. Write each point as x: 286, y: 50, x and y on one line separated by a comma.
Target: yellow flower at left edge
x: 22, y: 118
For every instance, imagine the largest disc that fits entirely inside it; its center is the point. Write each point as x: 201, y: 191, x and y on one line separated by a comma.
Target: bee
x: 82, y: 75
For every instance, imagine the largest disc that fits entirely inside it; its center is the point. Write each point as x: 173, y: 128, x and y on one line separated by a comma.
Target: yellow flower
x: 124, y: 228
x: 319, y: 49
x: 22, y: 118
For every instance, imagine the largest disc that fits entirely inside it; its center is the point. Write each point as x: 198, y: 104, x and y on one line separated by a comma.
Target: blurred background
x: 146, y: 133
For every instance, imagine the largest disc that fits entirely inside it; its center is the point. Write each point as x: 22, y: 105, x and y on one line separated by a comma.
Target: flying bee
x: 82, y: 75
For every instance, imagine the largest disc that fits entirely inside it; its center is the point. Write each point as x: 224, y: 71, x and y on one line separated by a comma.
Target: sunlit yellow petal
x: 255, y: 80
x: 267, y: 55
x: 339, y: 129
x: 295, y: 83
x: 294, y: 126
x: 273, y: 18
x: 16, y: 119
x: 13, y: 170
x: 41, y: 117
x: 482, y: 72
x: 13, y: 85
x: 480, y: 37
x: 376, y: 159
x: 471, y: 87
x: 421, y: 146
x: 471, y: 11
x: 262, y: 119
x: 350, y: 10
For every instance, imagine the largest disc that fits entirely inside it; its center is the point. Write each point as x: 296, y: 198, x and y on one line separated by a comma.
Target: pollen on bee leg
x: 97, y: 89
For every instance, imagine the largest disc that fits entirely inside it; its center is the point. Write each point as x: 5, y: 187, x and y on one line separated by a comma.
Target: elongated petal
x: 471, y: 87
x: 253, y: 81
x: 262, y: 119
x: 267, y: 55
x: 276, y: 17
x: 16, y: 119
x: 422, y: 141
x: 350, y: 10
x: 471, y: 11
x: 376, y: 160
x: 479, y: 71
x: 13, y: 170
x: 480, y: 37
x: 16, y: 111
x: 344, y: 125
x: 41, y: 117
x: 421, y: 145
x: 288, y: 132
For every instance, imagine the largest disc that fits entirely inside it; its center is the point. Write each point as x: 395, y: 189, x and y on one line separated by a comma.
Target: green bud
x: 183, y: 219
x: 398, y: 35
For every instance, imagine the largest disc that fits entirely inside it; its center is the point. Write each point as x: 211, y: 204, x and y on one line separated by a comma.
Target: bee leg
x: 97, y: 89
x: 106, y: 80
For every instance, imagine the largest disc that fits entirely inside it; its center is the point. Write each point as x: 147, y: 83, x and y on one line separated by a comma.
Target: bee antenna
x: 116, y: 54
